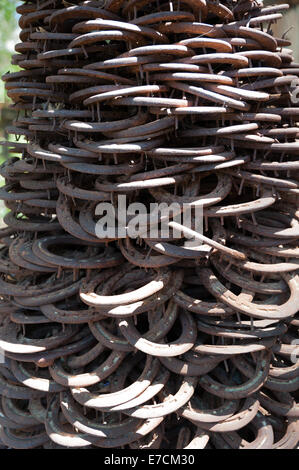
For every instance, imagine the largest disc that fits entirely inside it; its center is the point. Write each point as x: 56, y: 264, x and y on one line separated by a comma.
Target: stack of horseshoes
x: 147, y: 343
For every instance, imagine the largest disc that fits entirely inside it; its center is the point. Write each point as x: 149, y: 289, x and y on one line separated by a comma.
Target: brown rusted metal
x: 187, y: 347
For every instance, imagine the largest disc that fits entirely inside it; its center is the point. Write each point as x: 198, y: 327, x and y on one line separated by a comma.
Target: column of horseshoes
x: 146, y: 343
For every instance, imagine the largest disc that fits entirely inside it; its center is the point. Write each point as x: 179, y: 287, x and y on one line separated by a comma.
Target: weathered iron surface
x: 176, y: 347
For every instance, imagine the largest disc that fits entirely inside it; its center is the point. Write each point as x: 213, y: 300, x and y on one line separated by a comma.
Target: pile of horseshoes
x: 148, y: 343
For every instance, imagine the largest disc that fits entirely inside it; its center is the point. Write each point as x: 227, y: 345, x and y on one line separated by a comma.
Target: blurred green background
x: 9, y: 36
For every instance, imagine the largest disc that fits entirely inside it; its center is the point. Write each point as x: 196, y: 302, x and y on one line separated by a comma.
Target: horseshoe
x: 255, y: 382
x: 103, y: 401
x: 178, y: 347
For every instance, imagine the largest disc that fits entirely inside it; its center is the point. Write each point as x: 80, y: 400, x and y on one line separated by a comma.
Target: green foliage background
x: 9, y: 24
